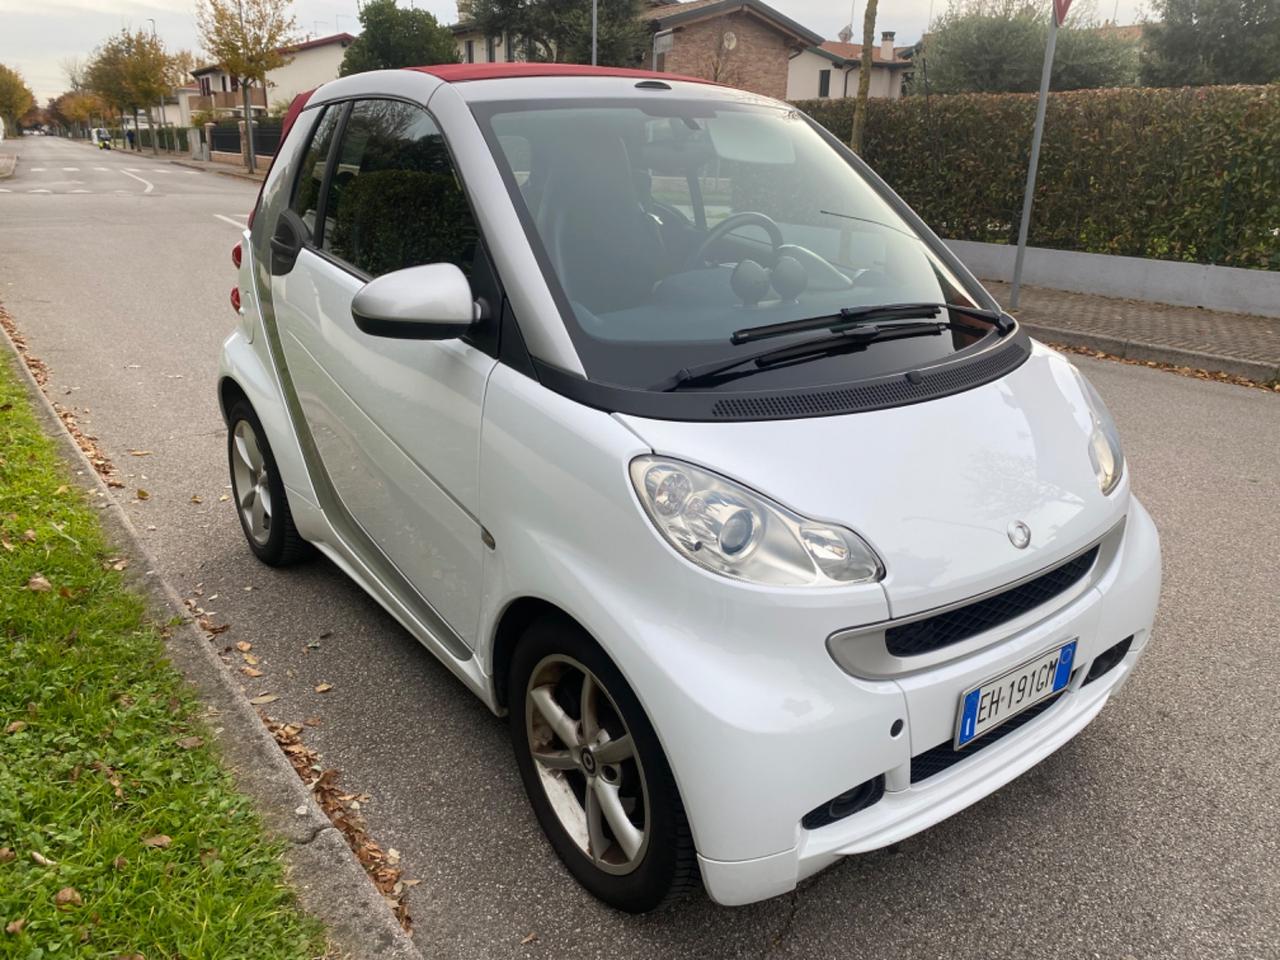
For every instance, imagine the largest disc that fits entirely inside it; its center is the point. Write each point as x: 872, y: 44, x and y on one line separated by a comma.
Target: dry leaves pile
x: 1194, y: 372
x: 40, y: 371
x: 342, y: 810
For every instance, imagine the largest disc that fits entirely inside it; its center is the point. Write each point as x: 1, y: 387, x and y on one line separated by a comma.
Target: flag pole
x: 1035, y: 160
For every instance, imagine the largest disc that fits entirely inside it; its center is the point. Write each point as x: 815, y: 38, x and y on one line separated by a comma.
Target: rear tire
x: 258, y: 492
x: 600, y: 784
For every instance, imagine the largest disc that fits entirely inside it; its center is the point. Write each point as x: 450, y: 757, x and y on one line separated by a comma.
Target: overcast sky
x: 37, y: 35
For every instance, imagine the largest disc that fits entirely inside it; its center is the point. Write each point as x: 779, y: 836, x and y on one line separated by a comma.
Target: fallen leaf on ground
x: 39, y: 858
x: 61, y: 490
x: 6, y: 855
x: 142, y: 494
x: 250, y: 659
x: 7, y: 545
x: 528, y: 938
x: 312, y: 721
x: 139, y: 453
x: 393, y: 856
x: 14, y: 927
x: 224, y: 498
x: 29, y: 536
x: 264, y: 698
x: 38, y: 583
x: 119, y: 863
x: 68, y: 897
x: 243, y: 646
x: 16, y: 727
x: 323, y: 687
x: 196, y: 499
x: 251, y: 671
x: 190, y: 743
x: 159, y: 841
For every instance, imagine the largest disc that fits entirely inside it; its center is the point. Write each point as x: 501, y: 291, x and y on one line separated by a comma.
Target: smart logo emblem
x: 1019, y: 534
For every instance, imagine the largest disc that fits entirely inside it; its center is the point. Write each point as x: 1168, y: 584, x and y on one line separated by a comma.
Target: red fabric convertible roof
x: 462, y: 72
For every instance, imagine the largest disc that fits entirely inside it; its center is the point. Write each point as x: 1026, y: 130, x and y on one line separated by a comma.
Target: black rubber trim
x: 1108, y: 660
x: 846, y: 804
x: 878, y: 393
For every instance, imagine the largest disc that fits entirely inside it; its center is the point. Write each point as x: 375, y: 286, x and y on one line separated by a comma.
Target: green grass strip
x: 96, y: 755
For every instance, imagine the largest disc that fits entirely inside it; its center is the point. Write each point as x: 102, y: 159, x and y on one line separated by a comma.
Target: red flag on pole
x: 1060, y: 8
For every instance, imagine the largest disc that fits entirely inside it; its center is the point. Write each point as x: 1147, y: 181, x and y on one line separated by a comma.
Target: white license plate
x: 985, y: 707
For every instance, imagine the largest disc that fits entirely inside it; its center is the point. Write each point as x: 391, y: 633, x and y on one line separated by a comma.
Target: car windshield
x: 665, y: 226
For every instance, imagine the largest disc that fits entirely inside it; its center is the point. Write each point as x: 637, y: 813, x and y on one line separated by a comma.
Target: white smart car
x: 654, y: 414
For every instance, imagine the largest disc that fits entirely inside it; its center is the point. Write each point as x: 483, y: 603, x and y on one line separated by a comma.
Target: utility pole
x: 594, y: 4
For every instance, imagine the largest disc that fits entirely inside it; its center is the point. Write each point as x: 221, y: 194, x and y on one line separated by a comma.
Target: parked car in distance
x: 656, y: 416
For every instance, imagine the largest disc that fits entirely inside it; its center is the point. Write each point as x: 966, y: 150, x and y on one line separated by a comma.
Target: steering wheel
x: 731, y: 223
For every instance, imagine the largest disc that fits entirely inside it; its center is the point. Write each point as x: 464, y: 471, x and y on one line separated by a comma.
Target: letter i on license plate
x: 985, y: 707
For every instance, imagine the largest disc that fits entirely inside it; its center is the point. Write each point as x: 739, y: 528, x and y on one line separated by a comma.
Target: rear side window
x: 395, y: 200
x: 306, y: 194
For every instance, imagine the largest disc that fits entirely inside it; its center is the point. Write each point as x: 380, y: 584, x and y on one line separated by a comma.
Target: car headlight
x: 1104, y: 441
x: 723, y: 526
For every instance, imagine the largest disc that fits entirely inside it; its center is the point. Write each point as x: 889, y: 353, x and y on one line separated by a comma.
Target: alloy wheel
x: 587, y: 764
x: 251, y: 480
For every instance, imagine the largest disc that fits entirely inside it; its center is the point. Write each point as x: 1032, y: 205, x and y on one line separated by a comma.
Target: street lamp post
x: 163, y: 122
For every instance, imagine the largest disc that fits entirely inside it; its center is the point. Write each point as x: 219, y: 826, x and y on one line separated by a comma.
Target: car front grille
x: 944, y: 755
x: 960, y: 623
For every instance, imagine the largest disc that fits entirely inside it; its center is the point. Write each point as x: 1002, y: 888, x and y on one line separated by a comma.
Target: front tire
x: 258, y: 492
x: 595, y: 772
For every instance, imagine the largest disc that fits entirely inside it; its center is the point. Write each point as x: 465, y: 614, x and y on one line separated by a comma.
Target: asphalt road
x: 1156, y: 833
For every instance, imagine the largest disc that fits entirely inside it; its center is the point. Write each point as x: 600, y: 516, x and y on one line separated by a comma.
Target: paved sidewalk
x: 226, y: 169
x: 1246, y: 346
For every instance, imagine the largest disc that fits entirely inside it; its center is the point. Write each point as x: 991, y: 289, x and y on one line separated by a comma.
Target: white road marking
x: 5, y: 190
x: 102, y: 169
x: 41, y: 190
x: 161, y: 170
x: 133, y: 169
x: 72, y: 169
x: 234, y: 223
x: 81, y: 191
x: 38, y: 169
x: 150, y: 186
x: 191, y: 173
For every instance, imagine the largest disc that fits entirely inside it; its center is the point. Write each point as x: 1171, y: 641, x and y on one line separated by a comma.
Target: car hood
x: 934, y: 487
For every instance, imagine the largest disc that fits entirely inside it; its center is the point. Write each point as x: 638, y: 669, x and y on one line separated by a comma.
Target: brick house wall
x: 758, y: 62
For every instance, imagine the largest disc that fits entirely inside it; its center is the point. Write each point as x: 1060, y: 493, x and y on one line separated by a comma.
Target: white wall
x: 480, y: 48
x: 804, y: 68
x: 308, y: 69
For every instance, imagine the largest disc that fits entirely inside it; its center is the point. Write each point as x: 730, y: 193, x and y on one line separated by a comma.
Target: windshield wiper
x: 850, y: 317
x: 827, y: 345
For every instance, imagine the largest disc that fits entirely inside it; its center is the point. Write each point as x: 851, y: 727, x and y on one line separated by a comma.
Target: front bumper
x: 1120, y: 604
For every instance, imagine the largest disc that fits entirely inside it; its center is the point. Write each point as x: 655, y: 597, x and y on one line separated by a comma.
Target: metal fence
x: 225, y: 138
x: 266, y: 137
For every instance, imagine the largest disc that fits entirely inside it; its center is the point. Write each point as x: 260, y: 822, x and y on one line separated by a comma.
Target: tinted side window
x: 395, y: 200
x: 306, y: 193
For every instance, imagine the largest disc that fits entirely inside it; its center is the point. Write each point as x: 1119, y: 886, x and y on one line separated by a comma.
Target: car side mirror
x: 429, y: 302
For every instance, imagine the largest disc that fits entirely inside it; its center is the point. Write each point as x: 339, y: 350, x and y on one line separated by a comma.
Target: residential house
x: 311, y: 63
x: 221, y: 96
x: 830, y: 69
x: 742, y: 43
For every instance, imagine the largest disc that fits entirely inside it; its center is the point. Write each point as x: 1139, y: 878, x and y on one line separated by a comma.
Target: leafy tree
x: 245, y: 37
x: 16, y: 97
x: 997, y: 46
x: 864, y: 77
x: 560, y: 30
x: 392, y: 37
x: 130, y: 71
x: 1198, y: 42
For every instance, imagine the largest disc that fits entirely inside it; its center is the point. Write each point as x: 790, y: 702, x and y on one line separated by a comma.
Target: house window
x: 490, y: 56
x: 235, y: 84
x: 205, y: 87
x: 471, y: 51
x: 824, y: 83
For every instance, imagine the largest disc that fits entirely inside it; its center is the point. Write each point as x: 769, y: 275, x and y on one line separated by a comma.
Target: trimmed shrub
x: 1187, y: 174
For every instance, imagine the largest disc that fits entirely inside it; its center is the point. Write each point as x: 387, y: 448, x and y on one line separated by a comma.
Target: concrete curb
x: 210, y: 168
x: 1138, y: 350
x: 330, y: 882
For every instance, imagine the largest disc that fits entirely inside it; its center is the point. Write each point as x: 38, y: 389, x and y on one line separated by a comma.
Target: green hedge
x: 165, y: 138
x: 1187, y: 174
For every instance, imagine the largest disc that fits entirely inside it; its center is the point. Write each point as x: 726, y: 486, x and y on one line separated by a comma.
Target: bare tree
x: 245, y: 37
x: 864, y: 77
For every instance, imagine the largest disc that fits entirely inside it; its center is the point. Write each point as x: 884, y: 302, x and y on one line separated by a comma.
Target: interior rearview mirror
x: 429, y: 302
